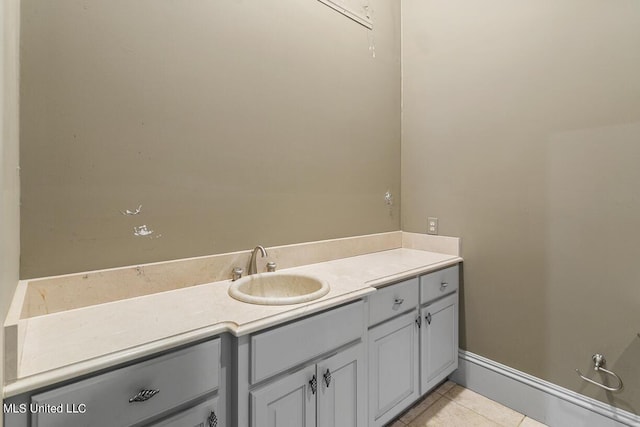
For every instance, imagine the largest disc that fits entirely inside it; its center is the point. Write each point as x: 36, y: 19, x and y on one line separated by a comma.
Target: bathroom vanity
x: 385, y: 335
x: 413, y: 341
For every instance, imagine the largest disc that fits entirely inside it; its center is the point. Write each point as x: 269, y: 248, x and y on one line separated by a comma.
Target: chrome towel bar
x: 598, y: 362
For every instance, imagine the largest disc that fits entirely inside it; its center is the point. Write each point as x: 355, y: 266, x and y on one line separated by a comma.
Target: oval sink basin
x: 278, y: 288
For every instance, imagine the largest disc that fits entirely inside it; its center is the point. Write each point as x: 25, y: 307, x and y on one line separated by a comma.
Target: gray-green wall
x: 9, y: 177
x: 237, y: 123
x: 521, y: 133
x: 232, y: 123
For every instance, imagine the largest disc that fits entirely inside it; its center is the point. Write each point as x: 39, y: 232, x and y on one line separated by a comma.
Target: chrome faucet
x: 252, y: 262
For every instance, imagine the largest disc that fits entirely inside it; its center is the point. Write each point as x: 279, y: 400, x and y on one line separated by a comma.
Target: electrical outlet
x: 432, y: 225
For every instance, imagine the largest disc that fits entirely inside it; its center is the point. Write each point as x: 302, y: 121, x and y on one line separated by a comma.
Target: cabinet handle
x: 313, y: 383
x: 428, y: 318
x: 419, y: 321
x: 144, y: 395
x: 212, y: 420
x: 443, y: 285
x: 398, y: 301
x: 327, y: 377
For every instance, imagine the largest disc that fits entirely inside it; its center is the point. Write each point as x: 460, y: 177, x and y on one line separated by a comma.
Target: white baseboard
x: 543, y: 401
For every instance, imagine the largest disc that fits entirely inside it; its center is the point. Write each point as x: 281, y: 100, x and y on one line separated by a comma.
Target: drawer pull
x: 419, y: 322
x: 444, y: 285
x: 313, y: 383
x: 212, y: 420
x: 398, y: 301
x: 428, y: 318
x: 327, y: 377
x: 144, y: 395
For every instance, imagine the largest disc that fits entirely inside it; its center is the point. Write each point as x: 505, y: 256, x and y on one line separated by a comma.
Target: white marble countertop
x: 63, y: 345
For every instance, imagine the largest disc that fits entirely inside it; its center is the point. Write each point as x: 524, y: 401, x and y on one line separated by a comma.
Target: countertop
x: 63, y: 345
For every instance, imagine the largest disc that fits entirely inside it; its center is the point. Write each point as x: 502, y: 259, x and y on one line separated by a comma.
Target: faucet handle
x: 271, y: 267
x: 237, y: 273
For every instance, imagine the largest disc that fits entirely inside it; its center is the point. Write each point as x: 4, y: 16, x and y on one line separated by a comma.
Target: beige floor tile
x: 447, y: 413
x: 422, y: 406
x: 486, y: 407
x: 397, y: 423
x: 530, y: 422
x: 445, y: 387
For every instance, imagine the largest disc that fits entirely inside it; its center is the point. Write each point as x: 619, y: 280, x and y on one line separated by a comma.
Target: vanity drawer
x: 392, y: 300
x: 282, y: 348
x: 204, y: 414
x: 439, y: 283
x: 104, y: 400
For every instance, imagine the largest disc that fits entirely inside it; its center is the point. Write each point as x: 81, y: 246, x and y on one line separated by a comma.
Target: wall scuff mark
x: 142, y: 231
x: 130, y: 212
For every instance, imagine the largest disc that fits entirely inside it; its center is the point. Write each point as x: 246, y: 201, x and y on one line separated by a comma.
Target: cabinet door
x: 393, y: 367
x: 342, y: 389
x: 287, y: 402
x: 439, y: 341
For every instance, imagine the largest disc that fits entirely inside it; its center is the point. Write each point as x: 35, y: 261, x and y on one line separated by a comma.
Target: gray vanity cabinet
x: 394, y: 380
x: 439, y: 332
x: 413, y: 341
x: 309, y: 372
x: 356, y: 365
x: 325, y: 394
x: 183, y: 387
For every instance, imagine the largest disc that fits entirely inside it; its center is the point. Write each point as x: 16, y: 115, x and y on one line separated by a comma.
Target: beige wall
x: 232, y: 123
x: 235, y: 125
x: 521, y: 133
x: 9, y: 179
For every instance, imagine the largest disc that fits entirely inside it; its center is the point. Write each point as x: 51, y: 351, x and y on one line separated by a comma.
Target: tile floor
x: 450, y: 405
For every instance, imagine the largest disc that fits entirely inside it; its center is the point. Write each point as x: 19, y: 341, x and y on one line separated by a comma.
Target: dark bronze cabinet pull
x: 313, y: 383
x: 212, y: 420
x: 144, y: 395
x: 327, y: 377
